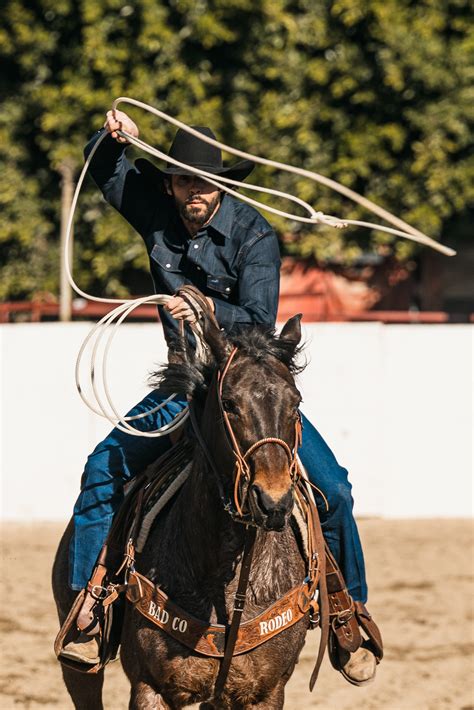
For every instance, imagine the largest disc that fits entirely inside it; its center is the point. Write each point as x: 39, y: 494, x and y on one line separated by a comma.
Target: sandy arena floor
x: 421, y: 595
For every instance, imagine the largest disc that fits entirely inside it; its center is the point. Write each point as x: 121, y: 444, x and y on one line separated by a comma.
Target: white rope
x: 109, y: 323
x: 405, y: 229
x: 316, y: 217
x: 112, y: 320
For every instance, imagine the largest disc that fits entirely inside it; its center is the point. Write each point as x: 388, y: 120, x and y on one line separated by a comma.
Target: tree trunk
x: 66, y: 171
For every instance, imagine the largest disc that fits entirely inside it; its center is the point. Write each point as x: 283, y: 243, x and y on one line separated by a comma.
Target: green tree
x: 373, y: 93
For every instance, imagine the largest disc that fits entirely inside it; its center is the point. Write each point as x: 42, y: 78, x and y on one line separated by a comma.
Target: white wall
x: 393, y: 402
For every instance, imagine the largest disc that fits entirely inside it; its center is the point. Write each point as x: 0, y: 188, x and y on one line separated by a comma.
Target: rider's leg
x: 116, y: 460
x: 338, y: 524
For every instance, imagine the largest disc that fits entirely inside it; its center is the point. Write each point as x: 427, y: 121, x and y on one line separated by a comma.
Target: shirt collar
x: 224, y: 217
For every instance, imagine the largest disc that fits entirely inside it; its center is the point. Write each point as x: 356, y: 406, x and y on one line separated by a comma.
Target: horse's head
x: 254, y: 408
x: 248, y: 421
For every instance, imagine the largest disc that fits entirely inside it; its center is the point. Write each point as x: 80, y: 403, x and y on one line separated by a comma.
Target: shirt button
x: 199, y: 268
x: 196, y: 246
x: 168, y: 266
x: 227, y: 289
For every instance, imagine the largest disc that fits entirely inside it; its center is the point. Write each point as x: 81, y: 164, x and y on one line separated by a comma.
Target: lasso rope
x: 115, y: 318
x: 404, y: 230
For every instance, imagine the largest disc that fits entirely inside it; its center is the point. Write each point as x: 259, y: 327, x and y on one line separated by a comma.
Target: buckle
x: 341, y: 618
x: 314, y: 615
x: 98, y: 592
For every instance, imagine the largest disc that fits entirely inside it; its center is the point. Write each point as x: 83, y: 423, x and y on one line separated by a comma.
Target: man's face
x: 196, y: 199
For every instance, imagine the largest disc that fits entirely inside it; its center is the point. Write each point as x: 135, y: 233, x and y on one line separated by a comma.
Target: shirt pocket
x: 169, y: 261
x: 224, y: 285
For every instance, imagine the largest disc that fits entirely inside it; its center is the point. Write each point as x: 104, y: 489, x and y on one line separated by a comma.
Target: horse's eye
x: 229, y: 406
x: 296, y: 408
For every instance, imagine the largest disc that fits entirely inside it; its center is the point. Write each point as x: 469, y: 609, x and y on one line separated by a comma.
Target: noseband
x: 230, y: 452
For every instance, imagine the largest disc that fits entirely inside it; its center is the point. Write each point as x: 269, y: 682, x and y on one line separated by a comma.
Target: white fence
x: 393, y: 402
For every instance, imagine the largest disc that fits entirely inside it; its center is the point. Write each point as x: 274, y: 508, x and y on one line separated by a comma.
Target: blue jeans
x: 338, y: 524
x: 119, y: 457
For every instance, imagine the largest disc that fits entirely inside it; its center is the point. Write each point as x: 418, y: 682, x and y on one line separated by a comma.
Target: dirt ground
x: 421, y: 595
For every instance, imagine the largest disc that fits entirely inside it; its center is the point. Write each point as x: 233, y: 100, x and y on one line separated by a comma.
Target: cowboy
x: 195, y: 233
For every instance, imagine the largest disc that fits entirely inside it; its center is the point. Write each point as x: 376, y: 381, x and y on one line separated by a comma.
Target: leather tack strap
x: 314, y: 526
x: 239, y: 603
x: 209, y: 639
x: 371, y: 629
x: 341, y: 608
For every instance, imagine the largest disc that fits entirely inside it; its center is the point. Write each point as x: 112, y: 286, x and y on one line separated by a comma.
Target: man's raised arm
x: 122, y: 185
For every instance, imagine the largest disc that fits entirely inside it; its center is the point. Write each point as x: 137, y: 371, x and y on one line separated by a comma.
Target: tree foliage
x: 376, y: 94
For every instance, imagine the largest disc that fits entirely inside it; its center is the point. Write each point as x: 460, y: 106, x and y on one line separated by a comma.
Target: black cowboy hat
x: 198, y: 154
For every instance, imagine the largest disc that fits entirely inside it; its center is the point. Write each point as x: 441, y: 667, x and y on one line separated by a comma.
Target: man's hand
x: 178, y: 308
x: 118, y: 120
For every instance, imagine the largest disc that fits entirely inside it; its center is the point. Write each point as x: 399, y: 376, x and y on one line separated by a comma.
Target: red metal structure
x: 309, y: 305
x: 380, y: 292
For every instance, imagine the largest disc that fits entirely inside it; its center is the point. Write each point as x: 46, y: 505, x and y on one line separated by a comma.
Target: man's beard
x: 194, y: 214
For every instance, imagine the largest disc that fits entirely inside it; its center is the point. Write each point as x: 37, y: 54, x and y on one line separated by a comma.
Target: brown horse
x: 195, y: 548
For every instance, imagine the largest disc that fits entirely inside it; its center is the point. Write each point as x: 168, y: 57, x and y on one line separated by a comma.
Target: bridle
x: 242, y: 469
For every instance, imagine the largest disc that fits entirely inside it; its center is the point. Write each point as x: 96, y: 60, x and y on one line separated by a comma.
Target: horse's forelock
x: 261, y: 343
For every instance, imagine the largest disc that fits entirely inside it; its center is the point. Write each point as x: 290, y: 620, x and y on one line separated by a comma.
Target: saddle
x: 115, y: 579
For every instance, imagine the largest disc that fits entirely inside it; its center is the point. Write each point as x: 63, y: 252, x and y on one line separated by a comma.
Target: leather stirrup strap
x: 341, y: 608
x: 371, y: 629
x: 239, y: 604
x: 323, y: 598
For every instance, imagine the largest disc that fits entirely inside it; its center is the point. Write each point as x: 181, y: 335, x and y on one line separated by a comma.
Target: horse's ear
x: 216, y: 340
x: 291, y: 331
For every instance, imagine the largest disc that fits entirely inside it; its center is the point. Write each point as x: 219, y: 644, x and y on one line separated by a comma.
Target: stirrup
x: 108, y: 637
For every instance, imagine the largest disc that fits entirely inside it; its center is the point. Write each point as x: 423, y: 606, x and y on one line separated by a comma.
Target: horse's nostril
x: 268, y: 505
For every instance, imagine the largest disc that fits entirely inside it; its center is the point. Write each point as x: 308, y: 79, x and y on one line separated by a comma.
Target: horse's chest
x: 180, y: 675
x: 183, y: 678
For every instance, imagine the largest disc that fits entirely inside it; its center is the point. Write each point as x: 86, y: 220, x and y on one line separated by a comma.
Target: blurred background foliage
x: 377, y: 94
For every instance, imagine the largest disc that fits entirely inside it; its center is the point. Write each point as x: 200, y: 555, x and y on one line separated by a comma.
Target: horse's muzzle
x: 268, y: 513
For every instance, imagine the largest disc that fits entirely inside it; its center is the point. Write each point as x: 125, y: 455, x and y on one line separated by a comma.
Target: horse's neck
x: 208, y: 536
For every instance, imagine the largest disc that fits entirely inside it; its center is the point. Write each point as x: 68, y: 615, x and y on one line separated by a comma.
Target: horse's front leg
x: 85, y: 690
x: 143, y: 697
x: 273, y: 700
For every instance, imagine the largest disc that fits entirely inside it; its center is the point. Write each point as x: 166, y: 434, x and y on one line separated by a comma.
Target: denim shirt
x: 234, y: 259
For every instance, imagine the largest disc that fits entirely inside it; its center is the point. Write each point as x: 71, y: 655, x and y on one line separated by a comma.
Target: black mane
x: 187, y: 374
